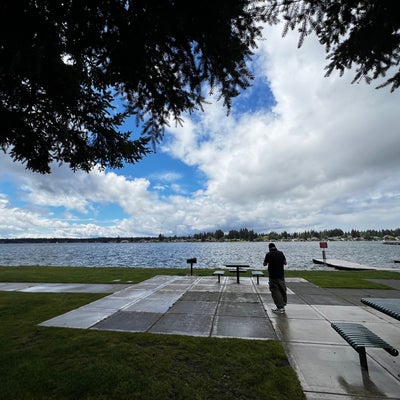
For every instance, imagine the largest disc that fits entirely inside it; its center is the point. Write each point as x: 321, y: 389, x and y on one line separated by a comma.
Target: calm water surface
x: 209, y: 255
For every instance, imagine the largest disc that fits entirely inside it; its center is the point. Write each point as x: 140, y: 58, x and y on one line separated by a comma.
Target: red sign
x: 323, y: 245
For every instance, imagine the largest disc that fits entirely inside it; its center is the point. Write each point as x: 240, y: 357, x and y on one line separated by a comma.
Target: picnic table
x: 237, y: 269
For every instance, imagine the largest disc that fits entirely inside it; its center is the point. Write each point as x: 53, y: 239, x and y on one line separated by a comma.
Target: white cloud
x: 325, y: 143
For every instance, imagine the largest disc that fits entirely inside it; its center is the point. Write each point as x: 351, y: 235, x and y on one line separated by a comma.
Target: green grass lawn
x: 338, y: 279
x: 55, y: 363
x: 89, y: 275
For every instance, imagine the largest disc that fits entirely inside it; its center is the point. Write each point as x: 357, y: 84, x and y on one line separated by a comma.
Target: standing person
x: 275, y: 259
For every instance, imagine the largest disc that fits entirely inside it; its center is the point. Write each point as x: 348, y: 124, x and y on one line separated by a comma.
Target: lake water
x: 209, y: 255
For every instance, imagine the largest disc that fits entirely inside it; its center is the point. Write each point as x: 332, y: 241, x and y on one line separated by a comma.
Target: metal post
x: 363, y: 358
x: 323, y: 246
x: 191, y: 261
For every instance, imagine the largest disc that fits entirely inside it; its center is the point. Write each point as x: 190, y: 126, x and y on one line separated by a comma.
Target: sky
x: 299, y: 151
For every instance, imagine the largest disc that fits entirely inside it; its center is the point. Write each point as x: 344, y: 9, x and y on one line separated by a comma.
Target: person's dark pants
x: 278, y: 292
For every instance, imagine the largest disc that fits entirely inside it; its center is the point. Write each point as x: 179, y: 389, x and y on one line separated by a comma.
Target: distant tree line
x: 332, y: 234
x: 242, y: 234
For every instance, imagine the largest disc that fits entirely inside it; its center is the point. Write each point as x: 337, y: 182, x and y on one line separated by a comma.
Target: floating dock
x: 348, y: 265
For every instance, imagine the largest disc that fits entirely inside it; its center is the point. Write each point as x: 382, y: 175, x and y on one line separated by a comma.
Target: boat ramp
x: 348, y: 265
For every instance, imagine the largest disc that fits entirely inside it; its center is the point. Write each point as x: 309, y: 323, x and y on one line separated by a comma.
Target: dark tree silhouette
x: 73, y: 71
x: 363, y: 33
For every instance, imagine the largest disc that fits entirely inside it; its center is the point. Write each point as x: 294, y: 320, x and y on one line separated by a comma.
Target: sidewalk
x: 327, y: 367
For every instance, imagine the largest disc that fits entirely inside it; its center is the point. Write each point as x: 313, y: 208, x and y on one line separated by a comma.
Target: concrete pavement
x: 327, y: 367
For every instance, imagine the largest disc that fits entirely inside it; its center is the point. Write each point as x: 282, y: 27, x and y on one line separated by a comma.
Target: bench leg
x: 219, y: 278
x: 363, y: 358
x: 258, y: 279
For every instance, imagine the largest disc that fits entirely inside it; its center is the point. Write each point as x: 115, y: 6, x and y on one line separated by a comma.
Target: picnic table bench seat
x: 219, y: 273
x: 257, y: 274
x: 360, y: 337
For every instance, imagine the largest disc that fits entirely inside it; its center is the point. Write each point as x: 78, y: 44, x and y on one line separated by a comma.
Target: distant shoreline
x: 172, y: 239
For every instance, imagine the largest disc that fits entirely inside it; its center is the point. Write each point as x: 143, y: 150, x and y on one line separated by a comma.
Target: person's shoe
x: 278, y: 310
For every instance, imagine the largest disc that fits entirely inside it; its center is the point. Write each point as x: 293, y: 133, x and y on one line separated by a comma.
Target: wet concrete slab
x: 352, y: 300
x: 292, y: 299
x: 61, y: 287
x: 385, y: 318
x: 243, y: 327
x: 381, y: 293
x: 149, y: 305
x: 238, y: 288
x: 335, y: 370
x: 393, y: 283
x: 80, y: 319
x: 14, y: 286
x: 301, y: 330
x: 195, y: 307
x: 109, y: 303
x: 324, y: 298
x: 327, y: 367
x: 305, y: 287
x: 195, y: 295
x: 131, y: 294
x: 135, y: 298
x: 391, y: 333
x: 352, y: 314
x: 240, y: 297
x: 234, y: 309
x: 127, y: 321
x: 297, y: 311
x: 184, y: 324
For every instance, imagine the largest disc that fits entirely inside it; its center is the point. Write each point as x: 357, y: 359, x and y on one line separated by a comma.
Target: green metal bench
x: 359, y: 337
x: 389, y: 307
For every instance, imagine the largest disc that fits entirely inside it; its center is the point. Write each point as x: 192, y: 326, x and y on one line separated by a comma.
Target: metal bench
x: 359, y: 337
x: 219, y: 274
x: 389, y: 307
x: 257, y: 274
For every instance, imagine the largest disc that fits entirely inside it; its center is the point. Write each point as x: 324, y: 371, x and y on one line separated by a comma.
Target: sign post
x: 323, y: 246
x: 191, y: 261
